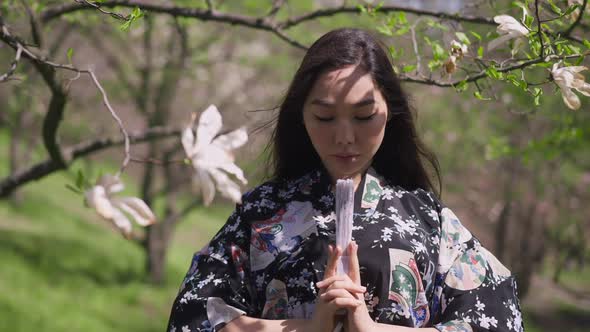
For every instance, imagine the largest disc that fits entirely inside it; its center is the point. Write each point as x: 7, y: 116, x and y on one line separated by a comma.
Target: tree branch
x: 384, y: 9
x: 482, y: 74
x: 44, y: 168
x: 539, y: 30
x: 6, y: 76
x: 578, y: 19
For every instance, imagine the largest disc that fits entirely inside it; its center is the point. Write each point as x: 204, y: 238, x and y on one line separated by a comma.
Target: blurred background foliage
x: 516, y: 173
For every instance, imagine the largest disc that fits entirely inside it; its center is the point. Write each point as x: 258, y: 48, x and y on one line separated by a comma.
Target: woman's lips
x: 346, y: 157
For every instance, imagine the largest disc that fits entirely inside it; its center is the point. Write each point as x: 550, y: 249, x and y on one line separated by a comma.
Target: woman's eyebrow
x: 322, y: 102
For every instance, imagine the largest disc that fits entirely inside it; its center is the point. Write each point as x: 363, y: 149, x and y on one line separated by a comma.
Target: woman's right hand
x: 336, y: 292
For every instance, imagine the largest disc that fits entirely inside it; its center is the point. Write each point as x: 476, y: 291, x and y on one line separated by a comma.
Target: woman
x: 413, y: 265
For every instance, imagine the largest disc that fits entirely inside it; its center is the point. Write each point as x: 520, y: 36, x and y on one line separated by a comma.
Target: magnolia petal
x: 137, y: 208
x: 570, y: 99
x: 450, y: 65
x: 232, y: 140
x: 212, y: 156
x: 584, y: 89
x: 575, y: 69
x: 226, y: 186
x: 111, y: 183
x: 122, y: 222
x: 188, y: 141
x: 97, y: 199
x: 493, y: 44
x: 207, y: 186
x: 209, y: 125
x: 504, y: 19
x: 234, y: 170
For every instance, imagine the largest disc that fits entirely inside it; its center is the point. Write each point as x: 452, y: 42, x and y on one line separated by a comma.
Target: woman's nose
x: 344, y: 133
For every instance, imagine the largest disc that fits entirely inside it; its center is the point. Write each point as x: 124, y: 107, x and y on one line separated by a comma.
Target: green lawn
x: 65, y: 269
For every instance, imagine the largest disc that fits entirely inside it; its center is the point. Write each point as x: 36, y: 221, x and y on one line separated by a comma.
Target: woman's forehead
x: 347, y: 82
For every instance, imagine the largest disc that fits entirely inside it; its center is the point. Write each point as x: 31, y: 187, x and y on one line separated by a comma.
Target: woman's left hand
x: 359, y: 319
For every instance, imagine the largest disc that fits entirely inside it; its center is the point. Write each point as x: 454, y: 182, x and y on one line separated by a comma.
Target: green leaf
x: 433, y: 64
x: 492, y: 72
x: 554, y: 7
x: 571, y: 8
x: 480, y: 52
x: 408, y: 68
x: 403, y: 30
x: 478, y: 95
x: 476, y: 35
x: 586, y: 43
x: 463, y: 38
x: 437, y: 25
x: 461, y: 86
x: 80, y: 180
x: 70, y: 187
x: 70, y: 54
x: 528, y: 21
x: 385, y: 30
x: 537, y: 93
x: 135, y: 14
x: 401, y: 18
x: 438, y: 53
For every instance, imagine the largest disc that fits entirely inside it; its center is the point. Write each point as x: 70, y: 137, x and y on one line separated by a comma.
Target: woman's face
x: 345, y: 116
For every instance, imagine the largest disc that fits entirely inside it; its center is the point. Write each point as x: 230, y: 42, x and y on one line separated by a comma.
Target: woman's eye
x: 365, y: 118
x: 324, y: 119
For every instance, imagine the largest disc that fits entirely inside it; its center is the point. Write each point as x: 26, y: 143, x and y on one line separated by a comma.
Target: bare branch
x: 35, y: 30
x: 58, y: 99
x: 384, y: 9
x: 6, y: 76
x: 44, y: 168
x: 209, y: 5
x: 105, y: 100
x: 276, y: 6
x: 98, y: 7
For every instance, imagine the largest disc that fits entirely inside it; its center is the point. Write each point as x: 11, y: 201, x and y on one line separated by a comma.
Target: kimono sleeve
x: 473, y: 291
x: 216, y: 288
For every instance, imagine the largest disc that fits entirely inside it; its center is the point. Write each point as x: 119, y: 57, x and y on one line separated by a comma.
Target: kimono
x: 420, y: 266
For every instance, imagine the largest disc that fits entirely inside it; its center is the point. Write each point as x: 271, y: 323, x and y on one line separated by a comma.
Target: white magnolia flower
x: 509, y: 28
x: 100, y: 197
x: 212, y: 156
x: 568, y: 78
x: 458, y: 50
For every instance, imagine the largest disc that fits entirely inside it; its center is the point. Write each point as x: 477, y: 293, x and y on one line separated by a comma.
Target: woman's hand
x: 358, y: 318
x: 336, y: 292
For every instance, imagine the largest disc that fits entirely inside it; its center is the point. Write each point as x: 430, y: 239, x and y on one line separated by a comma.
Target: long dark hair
x: 402, y: 155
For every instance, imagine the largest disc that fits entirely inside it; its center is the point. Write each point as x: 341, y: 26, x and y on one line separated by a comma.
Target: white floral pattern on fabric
x: 420, y: 266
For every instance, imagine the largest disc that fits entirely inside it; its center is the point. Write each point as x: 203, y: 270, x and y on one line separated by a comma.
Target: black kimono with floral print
x: 420, y: 266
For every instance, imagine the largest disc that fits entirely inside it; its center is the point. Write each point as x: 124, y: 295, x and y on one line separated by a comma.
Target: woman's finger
x: 346, y: 303
x: 334, y: 254
x: 343, y: 282
x: 329, y: 280
x: 354, y: 269
x: 334, y: 293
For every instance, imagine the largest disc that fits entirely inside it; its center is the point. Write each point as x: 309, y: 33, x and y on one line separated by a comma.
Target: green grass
x: 65, y: 269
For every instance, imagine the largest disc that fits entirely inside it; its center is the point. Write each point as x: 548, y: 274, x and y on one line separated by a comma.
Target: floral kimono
x: 420, y: 266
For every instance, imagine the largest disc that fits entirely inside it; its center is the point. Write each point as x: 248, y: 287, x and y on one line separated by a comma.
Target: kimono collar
x: 366, y: 196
